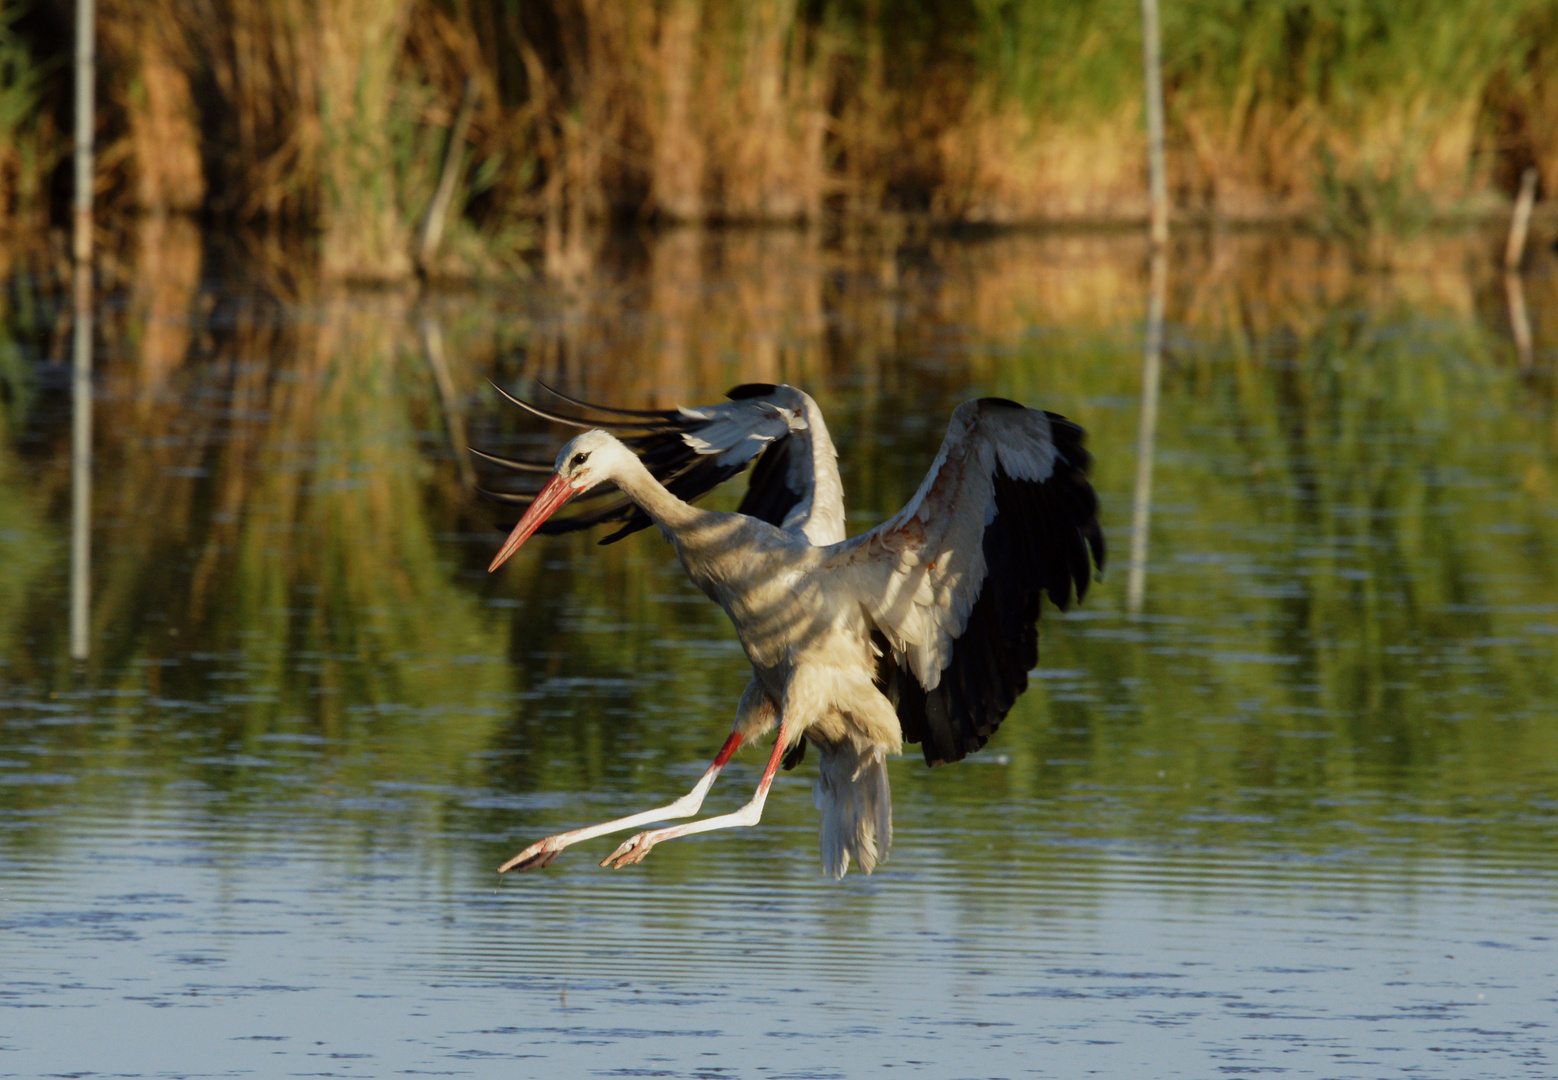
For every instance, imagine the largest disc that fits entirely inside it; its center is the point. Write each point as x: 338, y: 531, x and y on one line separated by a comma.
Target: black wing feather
x: 750, y: 390
x: 656, y: 436
x: 656, y: 414
x: 769, y: 495
x: 1038, y: 543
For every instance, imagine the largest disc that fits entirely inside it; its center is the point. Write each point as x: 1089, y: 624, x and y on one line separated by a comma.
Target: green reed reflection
x: 1351, y: 618
x: 268, y: 562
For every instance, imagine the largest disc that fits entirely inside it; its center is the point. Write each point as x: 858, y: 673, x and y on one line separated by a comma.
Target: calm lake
x: 1297, y: 815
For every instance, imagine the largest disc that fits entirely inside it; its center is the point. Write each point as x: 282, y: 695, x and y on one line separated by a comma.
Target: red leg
x: 636, y: 847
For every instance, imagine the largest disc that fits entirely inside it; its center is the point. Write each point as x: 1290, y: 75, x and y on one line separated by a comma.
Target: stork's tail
x: 857, y: 808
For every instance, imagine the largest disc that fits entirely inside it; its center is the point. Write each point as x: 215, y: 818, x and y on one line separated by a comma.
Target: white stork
x: 921, y: 630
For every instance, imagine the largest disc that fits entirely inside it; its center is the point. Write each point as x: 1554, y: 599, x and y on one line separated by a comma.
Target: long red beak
x: 545, y: 505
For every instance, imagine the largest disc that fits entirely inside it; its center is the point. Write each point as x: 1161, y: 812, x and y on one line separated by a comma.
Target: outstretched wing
x: 795, y: 484
x: 952, y: 582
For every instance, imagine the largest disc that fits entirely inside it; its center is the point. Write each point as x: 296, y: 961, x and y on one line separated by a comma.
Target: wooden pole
x: 1520, y: 220
x: 1152, y: 353
x: 454, y: 154
x: 86, y: 79
x: 81, y: 376
x: 1157, y: 176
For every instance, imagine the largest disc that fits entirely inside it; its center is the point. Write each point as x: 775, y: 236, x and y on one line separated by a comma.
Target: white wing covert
x: 952, y: 582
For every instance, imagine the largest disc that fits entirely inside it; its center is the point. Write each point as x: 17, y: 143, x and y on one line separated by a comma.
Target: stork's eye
x: 580, y: 458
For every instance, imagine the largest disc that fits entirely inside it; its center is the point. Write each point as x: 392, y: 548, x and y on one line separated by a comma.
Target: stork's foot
x: 633, y: 849
x: 534, y: 857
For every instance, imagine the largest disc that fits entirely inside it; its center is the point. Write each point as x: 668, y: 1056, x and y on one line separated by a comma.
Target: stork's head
x: 590, y: 459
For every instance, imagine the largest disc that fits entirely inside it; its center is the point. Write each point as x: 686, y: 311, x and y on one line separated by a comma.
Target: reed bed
x: 1357, y: 116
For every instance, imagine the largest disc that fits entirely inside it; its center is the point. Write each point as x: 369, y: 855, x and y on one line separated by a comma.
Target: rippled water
x: 1299, y: 815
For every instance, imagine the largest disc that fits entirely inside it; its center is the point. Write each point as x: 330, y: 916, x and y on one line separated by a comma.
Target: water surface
x: 1298, y: 815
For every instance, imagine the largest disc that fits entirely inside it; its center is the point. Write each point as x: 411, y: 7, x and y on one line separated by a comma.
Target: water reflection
x: 310, y: 714
x: 1147, y: 431
x: 81, y: 461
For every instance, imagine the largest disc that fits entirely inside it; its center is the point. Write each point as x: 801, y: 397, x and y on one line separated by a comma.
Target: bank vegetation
x: 342, y: 116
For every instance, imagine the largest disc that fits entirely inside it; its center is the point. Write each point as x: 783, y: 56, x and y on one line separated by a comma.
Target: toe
x: 631, y: 850
x: 532, y: 858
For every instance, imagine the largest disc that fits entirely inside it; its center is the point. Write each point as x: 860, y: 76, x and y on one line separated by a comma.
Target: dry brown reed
x: 335, y: 113
x: 148, y: 69
x: 366, y: 234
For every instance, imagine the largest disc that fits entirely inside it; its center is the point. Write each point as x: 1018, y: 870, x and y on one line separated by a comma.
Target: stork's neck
x: 639, y: 484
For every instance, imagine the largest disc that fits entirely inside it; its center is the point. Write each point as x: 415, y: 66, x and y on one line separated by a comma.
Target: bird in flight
x: 921, y: 630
